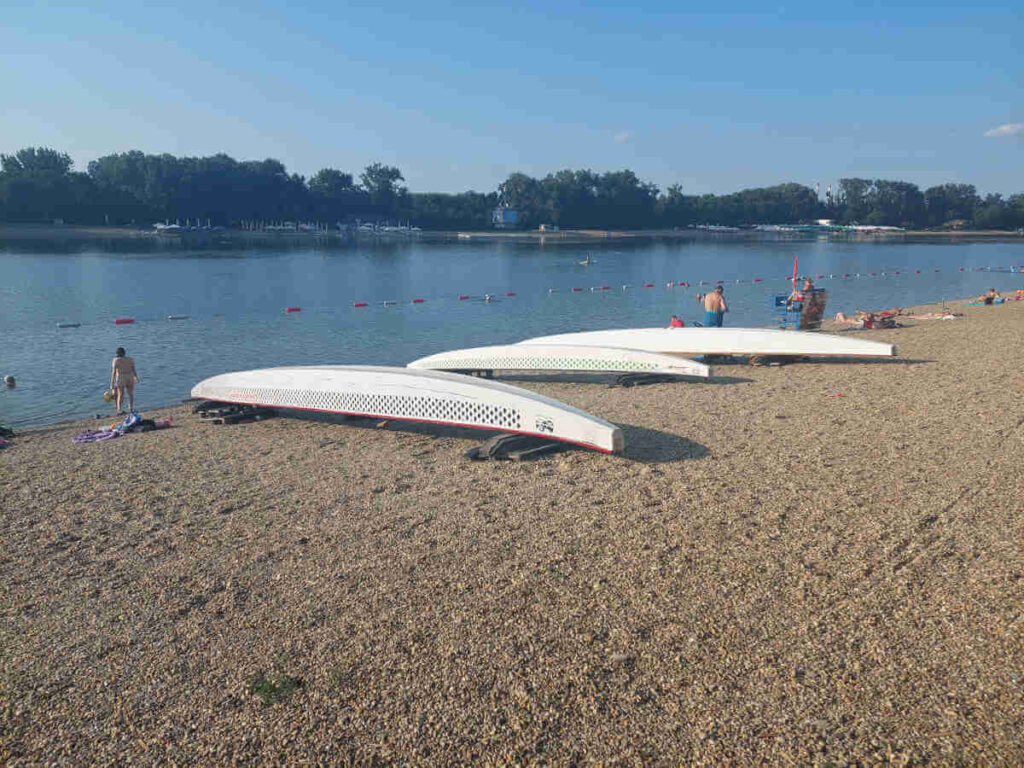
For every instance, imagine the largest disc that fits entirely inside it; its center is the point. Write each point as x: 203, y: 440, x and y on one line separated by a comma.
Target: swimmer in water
x: 587, y: 261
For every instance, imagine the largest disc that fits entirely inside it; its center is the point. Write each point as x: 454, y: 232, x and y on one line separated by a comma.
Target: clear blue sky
x: 716, y: 97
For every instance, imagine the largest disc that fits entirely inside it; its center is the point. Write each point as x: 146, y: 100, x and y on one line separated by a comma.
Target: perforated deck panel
x: 526, y: 363
x: 418, y: 407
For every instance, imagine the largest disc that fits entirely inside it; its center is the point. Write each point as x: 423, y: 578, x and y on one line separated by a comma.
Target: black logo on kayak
x: 545, y: 425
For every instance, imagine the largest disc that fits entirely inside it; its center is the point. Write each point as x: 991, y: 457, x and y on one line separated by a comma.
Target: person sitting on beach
x: 990, y: 296
x: 796, y: 299
x: 715, y: 308
x: 123, y: 378
x: 675, y: 322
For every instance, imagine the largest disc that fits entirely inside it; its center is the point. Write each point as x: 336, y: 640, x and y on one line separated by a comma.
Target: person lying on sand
x: 862, y: 319
x: 859, y: 320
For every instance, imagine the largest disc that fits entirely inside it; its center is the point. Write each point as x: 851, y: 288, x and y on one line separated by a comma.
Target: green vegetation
x: 272, y: 691
x: 40, y: 185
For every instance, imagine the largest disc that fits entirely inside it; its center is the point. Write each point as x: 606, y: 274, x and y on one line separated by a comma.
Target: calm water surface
x: 236, y: 295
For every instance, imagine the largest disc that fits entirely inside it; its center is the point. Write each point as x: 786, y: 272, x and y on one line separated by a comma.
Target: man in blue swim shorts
x: 715, y: 308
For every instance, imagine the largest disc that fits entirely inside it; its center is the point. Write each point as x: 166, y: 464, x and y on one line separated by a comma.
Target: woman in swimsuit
x: 123, y: 378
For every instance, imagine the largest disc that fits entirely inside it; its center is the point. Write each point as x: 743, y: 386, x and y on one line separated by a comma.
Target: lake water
x: 235, y: 296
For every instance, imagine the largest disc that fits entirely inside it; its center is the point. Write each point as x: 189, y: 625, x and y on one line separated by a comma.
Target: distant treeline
x: 40, y: 185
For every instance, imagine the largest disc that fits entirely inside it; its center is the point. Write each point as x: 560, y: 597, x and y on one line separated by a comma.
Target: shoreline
x: 810, y: 563
x: 568, y: 236
x: 829, y: 326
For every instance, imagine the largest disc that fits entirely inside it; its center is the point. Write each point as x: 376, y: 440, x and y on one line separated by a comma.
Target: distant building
x: 504, y: 218
x: 824, y: 222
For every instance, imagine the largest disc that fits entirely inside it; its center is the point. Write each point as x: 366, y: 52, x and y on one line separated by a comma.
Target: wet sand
x: 816, y: 563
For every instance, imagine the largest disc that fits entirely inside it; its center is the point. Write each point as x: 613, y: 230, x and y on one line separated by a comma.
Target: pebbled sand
x: 773, y: 573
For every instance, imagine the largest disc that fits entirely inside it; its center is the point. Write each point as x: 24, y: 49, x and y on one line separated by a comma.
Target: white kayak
x: 725, y: 341
x: 413, y: 395
x: 560, y: 357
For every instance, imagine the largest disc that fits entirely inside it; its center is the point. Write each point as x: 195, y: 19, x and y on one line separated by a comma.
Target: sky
x: 714, y: 97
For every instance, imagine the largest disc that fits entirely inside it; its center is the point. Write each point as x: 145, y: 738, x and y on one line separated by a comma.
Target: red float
x: 646, y: 285
x: 463, y: 297
x: 359, y: 304
x: 124, y: 320
x: 417, y: 301
x: 510, y: 293
x: 576, y: 290
x: 293, y: 309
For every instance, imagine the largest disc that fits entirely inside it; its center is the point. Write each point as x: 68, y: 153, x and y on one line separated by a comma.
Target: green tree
x: 951, y: 202
x: 524, y: 194
x: 853, y: 200
x: 33, y: 160
x: 381, y: 183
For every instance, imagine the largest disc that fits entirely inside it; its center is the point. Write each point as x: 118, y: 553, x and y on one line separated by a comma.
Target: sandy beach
x: 821, y: 563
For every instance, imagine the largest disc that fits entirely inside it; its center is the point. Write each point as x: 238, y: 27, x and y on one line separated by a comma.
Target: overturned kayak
x: 725, y: 341
x: 435, y: 397
x: 560, y: 357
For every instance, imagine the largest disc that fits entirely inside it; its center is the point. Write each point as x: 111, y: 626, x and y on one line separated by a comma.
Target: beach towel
x: 95, y: 436
x: 131, y: 421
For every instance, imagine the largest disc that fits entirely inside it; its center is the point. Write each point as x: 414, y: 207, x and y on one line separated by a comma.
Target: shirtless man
x: 798, y: 296
x: 123, y: 377
x: 714, y: 308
